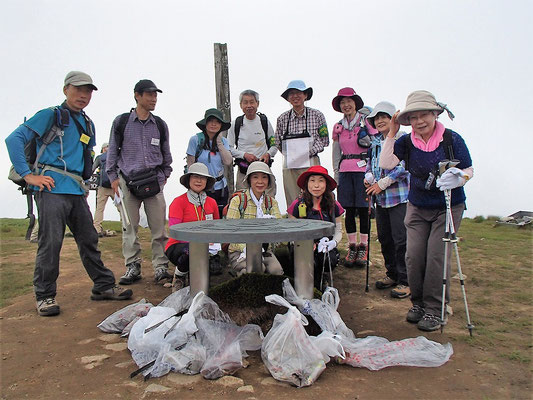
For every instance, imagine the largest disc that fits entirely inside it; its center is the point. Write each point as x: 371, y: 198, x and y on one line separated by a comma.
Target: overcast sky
x: 473, y: 55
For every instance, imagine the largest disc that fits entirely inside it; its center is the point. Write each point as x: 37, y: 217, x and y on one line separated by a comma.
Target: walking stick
x: 450, y: 237
x: 368, y: 241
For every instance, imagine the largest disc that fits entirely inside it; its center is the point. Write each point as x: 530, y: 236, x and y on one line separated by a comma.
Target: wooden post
x: 223, y: 96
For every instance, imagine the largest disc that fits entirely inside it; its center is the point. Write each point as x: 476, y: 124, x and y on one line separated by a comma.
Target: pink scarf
x: 433, y: 141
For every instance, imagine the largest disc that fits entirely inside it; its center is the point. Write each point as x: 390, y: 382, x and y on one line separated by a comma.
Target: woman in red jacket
x: 192, y: 206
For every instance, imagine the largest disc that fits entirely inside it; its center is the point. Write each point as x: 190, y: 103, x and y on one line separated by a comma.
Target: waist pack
x: 143, y: 185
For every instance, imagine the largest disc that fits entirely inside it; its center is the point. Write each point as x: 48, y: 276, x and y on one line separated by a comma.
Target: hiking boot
x: 133, y: 273
x: 179, y: 282
x: 415, y: 314
x: 361, y: 256
x: 350, y: 258
x: 400, y: 292
x: 113, y: 293
x: 215, y: 267
x: 161, y: 274
x: 47, y: 307
x: 385, y: 283
x: 429, y: 323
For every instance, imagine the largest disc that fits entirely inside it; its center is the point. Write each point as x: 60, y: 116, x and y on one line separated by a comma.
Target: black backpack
x: 264, y: 124
x: 123, y: 121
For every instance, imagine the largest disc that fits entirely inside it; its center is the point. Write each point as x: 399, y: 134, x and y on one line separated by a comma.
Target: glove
x: 451, y: 178
x: 325, y: 245
x: 268, y: 216
x: 369, y: 177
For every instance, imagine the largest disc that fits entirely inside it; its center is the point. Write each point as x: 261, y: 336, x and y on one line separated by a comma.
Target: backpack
x: 123, y: 121
x: 62, y: 120
x: 243, y: 203
x: 199, y: 147
x: 104, y: 179
x: 239, y: 121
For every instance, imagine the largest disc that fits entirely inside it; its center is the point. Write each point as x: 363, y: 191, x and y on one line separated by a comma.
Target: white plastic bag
x: 324, y: 311
x: 116, y: 322
x: 179, y: 300
x: 287, y: 351
x: 376, y: 353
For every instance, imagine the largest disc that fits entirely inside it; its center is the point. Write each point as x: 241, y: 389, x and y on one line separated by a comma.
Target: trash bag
x: 179, y: 300
x: 116, y: 322
x: 226, y: 345
x: 376, y: 353
x: 324, y: 311
x: 287, y: 351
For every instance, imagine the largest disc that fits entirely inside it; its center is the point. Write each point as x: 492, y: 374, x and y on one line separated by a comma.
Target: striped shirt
x: 141, y: 149
x: 313, y: 121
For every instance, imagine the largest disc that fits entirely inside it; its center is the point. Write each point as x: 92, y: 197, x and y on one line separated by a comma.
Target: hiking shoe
x: 179, y: 282
x: 350, y: 258
x: 385, y: 283
x: 161, y: 274
x: 47, y: 307
x: 361, y: 256
x: 400, y: 292
x: 215, y: 267
x: 133, y: 273
x: 429, y: 323
x: 415, y: 314
x: 114, y: 293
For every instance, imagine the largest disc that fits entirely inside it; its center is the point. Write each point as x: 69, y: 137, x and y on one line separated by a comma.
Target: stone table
x: 253, y: 232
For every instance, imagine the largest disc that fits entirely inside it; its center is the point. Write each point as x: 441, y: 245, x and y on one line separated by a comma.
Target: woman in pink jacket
x: 350, y: 146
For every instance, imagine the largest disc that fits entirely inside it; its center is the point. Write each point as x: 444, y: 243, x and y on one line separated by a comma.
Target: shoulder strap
x: 119, y: 129
x: 447, y: 142
x: 268, y: 204
x: 264, y: 125
x: 61, y: 120
x: 161, y: 129
x: 200, y: 145
x: 238, y: 123
x: 243, y: 202
x: 407, y: 150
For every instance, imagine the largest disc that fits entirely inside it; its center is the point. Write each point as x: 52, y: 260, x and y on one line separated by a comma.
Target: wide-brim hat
x: 316, y: 170
x: 347, y: 92
x: 197, y: 169
x: 259, y: 166
x: 382, y: 107
x: 213, y: 113
x: 298, y: 85
x: 419, y: 100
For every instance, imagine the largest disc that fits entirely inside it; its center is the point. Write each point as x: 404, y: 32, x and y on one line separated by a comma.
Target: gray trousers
x: 392, y: 237
x: 56, y: 211
x: 425, y: 255
x: 155, y: 208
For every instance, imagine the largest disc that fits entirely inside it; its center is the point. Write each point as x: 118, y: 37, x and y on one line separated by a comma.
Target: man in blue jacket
x: 60, y: 193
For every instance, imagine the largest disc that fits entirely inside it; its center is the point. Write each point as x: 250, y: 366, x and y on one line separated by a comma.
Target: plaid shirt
x: 397, y: 192
x: 249, y: 212
x: 313, y: 120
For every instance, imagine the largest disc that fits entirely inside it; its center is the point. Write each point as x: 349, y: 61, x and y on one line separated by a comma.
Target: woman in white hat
x: 194, y: 205
x: 254, y: 203
x: 390, y: 188
x: 428, y: 144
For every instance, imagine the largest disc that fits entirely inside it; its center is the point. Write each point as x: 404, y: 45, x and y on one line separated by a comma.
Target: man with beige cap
x: 64, y: 138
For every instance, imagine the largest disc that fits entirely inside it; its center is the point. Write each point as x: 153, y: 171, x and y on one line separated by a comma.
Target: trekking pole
x: 452, y: 238
x: 368, y: 242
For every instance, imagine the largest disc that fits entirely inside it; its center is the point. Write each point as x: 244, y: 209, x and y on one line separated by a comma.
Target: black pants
x: 178, y: 254
x: 56, y: 211
x: 392, y: 236
x: 320, y: 265
x: 349, y: 220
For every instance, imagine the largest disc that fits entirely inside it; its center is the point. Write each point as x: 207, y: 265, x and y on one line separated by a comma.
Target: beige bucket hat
x: 259, y: 166
x: 421, y: 100
x: 197, y: 169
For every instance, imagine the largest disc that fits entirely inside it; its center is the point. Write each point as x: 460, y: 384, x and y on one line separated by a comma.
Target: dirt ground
x: 46, y: 358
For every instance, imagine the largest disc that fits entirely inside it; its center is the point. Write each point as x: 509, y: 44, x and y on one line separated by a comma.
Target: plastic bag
x: 376, y: 353
x: 324, y: 311
x: 179, y: 300
x: 287, y: 351
x: 116, y: 322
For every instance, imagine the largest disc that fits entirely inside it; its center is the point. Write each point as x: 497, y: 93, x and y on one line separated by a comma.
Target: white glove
x: 451, y: 178
x: 369, y: 177
x: 268, y: 216
x: 325, y: 245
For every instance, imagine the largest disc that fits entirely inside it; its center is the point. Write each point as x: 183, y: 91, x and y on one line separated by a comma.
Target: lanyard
x: 201, y: 216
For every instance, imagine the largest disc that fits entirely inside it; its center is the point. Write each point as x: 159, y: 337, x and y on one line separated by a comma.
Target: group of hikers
x: 376, y: 170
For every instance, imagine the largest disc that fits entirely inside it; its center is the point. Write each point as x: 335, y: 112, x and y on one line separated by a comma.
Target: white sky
x: 471, y: 54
